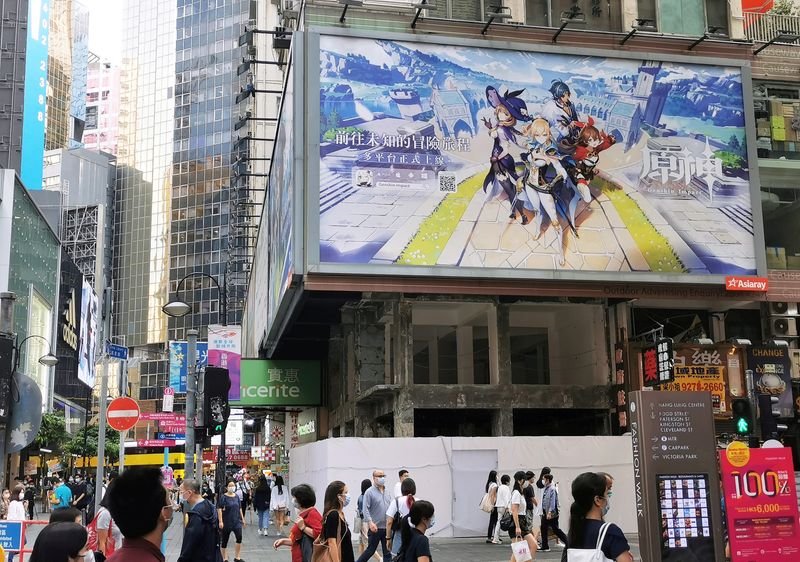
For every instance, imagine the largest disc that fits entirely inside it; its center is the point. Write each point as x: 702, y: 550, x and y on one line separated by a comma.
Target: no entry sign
x: 123, y: 413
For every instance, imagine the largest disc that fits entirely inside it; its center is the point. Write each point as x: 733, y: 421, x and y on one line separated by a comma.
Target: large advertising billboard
x: 88, y: 339
x: 469, y: 157
x: 35, y: 98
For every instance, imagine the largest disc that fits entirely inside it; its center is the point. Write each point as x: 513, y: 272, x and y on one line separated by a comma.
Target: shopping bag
x: 487, y: 503
x: 590, y: 554
x: 522, y: 553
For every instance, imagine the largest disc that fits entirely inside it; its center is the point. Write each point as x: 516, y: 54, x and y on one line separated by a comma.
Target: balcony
x: 762, y: 28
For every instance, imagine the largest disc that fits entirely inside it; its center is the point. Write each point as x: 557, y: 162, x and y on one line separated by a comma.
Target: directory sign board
x: 675, y: 474
x: 761, y: 504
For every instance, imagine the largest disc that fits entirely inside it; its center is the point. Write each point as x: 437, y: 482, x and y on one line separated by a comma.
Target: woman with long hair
x: 261, y: 499
x: 416, y: 547
x: 334, y: 528
x: 591, y: 503
x: 398, y: 509
x: 278, y: 503
x: 521, y: 529
x: 61, y: 542
x: 491, y: 489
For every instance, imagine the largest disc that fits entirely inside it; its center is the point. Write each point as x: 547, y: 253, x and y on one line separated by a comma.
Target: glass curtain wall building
x: 178, y: 86
x: 59, y: 75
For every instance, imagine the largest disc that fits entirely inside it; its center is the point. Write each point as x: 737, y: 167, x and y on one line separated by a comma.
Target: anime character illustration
x: 545, y: 184
x: 509, y: 109
x: 591, y: 142
x: 562, y: 116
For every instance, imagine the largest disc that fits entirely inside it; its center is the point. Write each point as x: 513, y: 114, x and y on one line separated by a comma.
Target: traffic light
x: 769, y: 415
x: 217, y: 383
x: 742, y: 416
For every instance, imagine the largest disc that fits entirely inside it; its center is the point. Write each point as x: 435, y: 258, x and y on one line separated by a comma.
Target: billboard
x: 466, y: 157
x: 87, y: 345
x: 761, y: 503
x: 178, y: 366
x: 279, y: 204
x: 35, y: 98
x: 267, y: 382
x: 772, y: 367
x: 225, y: 350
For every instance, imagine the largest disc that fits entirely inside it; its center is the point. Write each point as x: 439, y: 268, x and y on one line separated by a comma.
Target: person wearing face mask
x: 62, y: 495
x: 416, y: 546
x: 307, y: 527
x: 521, y: 531
x: 335, y: 530
x: 231, y: 520
x: 278, y: 502
x: 141, y: 508
x: 16, y: 508
x: 590, y: 505
x: 376, y: 503
x: 201, y: 541
x: 261, y: 499
x: 6, y: 499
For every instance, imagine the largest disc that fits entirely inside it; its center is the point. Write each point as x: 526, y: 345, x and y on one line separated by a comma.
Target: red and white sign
x: 277, y: 433
x: 123, y: 413
x: 171, y: 428
x: 155, y: 443
x: 165, y: 417
x: 169, y: 399
x: 751, y: 284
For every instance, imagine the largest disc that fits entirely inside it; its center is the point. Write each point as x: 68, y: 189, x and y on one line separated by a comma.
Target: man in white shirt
x: 403, y: 474
x: 502, y: 502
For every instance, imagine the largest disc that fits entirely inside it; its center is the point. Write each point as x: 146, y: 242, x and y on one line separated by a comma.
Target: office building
x: 13, y: 36
x: 102, y: 106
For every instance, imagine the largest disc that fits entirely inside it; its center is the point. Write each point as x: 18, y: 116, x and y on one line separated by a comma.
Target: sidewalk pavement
x: 256, y: 548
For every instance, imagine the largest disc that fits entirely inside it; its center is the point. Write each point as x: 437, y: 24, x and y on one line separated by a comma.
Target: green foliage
x: 729, y: 159
x: 784, y: 8
x: 52, y: 433
x: 735, y: 146
x: 76, y: 445
x: 330, y: 134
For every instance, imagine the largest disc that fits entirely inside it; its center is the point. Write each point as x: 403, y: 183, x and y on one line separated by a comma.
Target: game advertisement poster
x: 470, y: 157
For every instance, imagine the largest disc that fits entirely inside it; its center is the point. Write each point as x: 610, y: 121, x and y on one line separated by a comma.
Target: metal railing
x: 765, y: 27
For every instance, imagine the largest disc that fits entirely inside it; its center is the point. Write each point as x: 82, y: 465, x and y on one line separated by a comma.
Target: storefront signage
x: 658, y: 363
x: 429, y: 152
x: 761, y: 504
x: 772, y: 367
x: 69, y: 328
x: 755, y: 284
x: 265, y: 382
x: 700, y: 370
x: 675, y: 476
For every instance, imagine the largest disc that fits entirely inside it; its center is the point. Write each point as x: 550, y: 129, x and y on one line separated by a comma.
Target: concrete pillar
x: 465, y: 360
x: 718, y: 326
x: 403, y: 343
x: 500, y: 345
x: 433, y: 360
x: 403, y: 415
x: 502, y: 422
x: 630, y: 11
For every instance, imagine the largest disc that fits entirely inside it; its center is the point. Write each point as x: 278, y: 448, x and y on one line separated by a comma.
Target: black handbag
x: 507, y: 522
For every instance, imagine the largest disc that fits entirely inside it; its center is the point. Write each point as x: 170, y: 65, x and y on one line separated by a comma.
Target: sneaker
x: 488, y: 541
x: 498, y: 541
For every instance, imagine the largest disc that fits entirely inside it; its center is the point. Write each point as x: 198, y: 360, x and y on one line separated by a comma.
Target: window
x: 529, y: 356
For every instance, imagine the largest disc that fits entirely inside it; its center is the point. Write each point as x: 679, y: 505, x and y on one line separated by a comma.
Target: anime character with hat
x: 509, y: 109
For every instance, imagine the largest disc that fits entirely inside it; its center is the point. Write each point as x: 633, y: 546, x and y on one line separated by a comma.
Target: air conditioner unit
x: 783, y: 326
x: 289, y: 9
x: 783, y: 308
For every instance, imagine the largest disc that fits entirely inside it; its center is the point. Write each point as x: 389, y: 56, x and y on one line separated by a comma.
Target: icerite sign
x: 752, y: 284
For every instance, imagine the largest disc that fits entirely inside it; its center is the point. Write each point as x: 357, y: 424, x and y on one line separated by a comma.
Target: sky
x: 105, y: 28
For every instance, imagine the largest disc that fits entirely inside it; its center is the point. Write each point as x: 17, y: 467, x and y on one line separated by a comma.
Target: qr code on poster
x: 447, y: 182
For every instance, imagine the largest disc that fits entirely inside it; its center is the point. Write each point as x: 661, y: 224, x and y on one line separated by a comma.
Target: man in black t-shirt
x: 530, y: 498
x: 80, y: 496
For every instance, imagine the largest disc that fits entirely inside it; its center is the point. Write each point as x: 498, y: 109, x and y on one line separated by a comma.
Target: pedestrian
x: 531, y: 503
x: 398, y: 509
x: 66, y: 515
x: 62, y: 495
x: 359, y: 525
x: 201, y: 540
x: 417, y: 546
x: 4, y: 501
x: 307, y: 526
x: 244, y: 489
x: 111, y: 476
x: 501, y: 505
x: 491, y: 489
x: 16, y: 509
x: 30, y: 498
x: 61, y: 542
x: 80, y: 496
x: 376, y: 503
x: 591, y: 503
x: 278, y: 503
x: 550, y: 512
x: 402, y: 474
x: 208, y: 490
x: 521, y: 531
x: 261, y: 498
x: 335, y: 531
x: 104, y: 535
x: 139, y: 505
x: 231, y: 520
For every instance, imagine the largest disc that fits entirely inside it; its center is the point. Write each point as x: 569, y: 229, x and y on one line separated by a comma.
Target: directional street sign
x: 123, y: 413
x: 117, y: 351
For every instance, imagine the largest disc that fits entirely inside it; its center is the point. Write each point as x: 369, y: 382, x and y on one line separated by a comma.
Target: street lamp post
x: 178, y: 308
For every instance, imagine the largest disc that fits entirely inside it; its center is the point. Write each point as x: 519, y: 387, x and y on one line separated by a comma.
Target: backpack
x: 396, y: 518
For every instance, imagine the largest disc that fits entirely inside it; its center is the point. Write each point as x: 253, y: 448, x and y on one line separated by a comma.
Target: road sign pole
x: 101, y: 431
x: 191, y: 402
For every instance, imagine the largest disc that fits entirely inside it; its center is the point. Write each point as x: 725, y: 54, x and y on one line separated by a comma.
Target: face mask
x: 231, y: 489
x: 346, y: 499
x: 295, y: 504
x: 432, y: 523
x: 21, y: 496
x: 607, y: 506
x: 381, y: 480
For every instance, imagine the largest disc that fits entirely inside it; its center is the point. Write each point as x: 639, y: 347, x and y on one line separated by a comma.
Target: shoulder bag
x: 590, y: 554
x: 507, y: 521
x: 321, y: 548
x: 487, y: 503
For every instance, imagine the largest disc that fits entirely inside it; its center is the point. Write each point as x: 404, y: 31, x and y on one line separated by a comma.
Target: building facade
x: 444, y: 299
x: 102, y: 107
x: 13, y: 36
